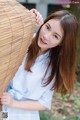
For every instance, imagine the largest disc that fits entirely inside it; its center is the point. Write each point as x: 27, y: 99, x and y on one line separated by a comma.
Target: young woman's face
x: 50, y: 35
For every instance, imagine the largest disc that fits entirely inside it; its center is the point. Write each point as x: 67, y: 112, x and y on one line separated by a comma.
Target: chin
x: 40, y: 45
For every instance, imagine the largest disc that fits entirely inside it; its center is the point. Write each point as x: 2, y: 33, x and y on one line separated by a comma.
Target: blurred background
x: 45, y: 7
x: 67, y: 107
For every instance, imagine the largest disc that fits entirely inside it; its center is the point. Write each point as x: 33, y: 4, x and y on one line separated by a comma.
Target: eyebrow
x: 55, y: 32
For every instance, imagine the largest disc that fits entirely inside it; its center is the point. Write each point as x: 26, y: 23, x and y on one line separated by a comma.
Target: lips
x: 42, y: 41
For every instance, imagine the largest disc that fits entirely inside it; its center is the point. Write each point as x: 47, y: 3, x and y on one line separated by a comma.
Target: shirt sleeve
x: 46, y: 98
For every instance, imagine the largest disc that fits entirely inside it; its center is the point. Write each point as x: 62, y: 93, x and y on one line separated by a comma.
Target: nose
x: 46, y: 36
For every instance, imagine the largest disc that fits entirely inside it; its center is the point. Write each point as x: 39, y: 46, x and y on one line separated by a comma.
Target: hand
x: 38, y: 17
x: 7, y: 99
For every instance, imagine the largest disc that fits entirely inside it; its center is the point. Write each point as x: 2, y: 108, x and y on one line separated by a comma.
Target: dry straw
x: 16, y: 30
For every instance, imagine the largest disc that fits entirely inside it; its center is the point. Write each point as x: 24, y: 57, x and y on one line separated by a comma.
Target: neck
x: 42, y: 52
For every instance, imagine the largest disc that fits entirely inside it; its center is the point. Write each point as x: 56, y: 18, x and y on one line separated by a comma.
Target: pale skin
x: 50, y: 36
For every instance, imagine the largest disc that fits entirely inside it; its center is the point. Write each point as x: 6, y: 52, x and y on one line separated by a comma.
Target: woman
x: 49, y: 65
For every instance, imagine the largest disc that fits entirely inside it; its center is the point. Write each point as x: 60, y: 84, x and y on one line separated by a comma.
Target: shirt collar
x: 43, y: 56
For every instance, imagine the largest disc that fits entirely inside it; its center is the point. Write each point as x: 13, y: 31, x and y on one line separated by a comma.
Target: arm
x: 8, y: 100
x: 29, y: 105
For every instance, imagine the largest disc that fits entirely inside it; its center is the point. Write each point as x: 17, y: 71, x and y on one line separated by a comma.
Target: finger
x: 33, y: 9
x: 4, y: 99
x: 39, y: 18
x: 40, y: 23
x: 4, y: 102
x: 34, y: 12
x: 6, y: 93
x: 38, y: 15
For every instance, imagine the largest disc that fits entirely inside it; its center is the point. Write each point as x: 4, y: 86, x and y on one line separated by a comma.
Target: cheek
x: 43, y: 30
x: 54, y: 43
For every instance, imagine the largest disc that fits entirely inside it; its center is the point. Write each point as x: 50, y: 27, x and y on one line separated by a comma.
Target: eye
x: 56, y: 36
x: 47, y: 27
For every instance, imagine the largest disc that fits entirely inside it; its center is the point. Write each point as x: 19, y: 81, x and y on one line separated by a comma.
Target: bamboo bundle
x: 16, y: 30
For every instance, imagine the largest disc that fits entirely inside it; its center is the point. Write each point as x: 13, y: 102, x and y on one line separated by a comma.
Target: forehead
x: 56, y: 26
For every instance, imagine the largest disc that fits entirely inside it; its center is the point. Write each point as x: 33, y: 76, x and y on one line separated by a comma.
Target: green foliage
x: 62, y: 98
x: 77, y: 103
x: 46, y: 115
x: 72, y: 117
x: 77, y: 84
x: 64, y: 112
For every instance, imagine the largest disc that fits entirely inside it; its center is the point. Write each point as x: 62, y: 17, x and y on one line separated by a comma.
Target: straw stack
x: 16, y: 30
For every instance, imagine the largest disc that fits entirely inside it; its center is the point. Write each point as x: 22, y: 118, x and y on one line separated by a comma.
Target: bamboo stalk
x: 16, y: 31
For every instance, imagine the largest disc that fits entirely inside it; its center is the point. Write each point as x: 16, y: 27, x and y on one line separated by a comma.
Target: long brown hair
x: 62, y: 57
